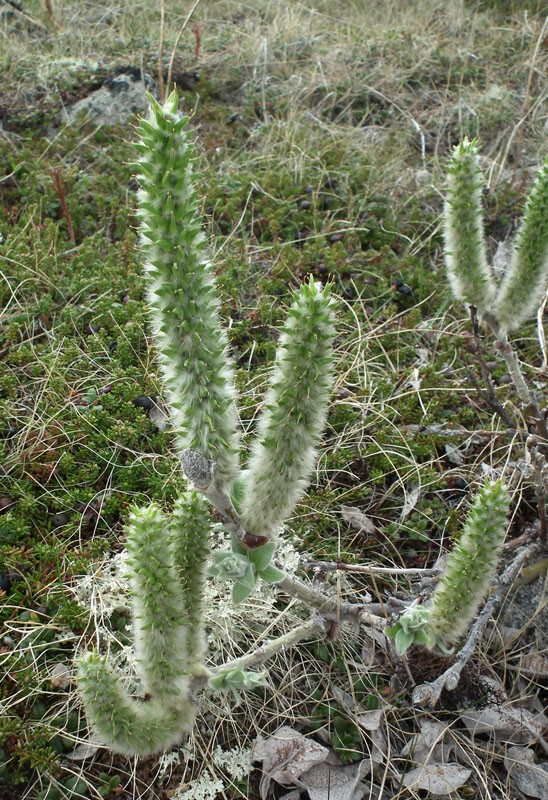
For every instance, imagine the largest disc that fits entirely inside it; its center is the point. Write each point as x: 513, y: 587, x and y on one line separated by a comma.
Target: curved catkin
x: 192, y: 348
x: 524, y: 285
x: 130, y: 727
x: 190, y: 532
x: 468, y: 271
x: 470, y: 566
x: 293, y: 417
x: 159, y: 618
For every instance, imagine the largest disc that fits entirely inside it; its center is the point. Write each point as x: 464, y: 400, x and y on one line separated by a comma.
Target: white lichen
x: 235, y: 764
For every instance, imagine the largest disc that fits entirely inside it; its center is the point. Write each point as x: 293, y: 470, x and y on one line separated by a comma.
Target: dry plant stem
x: 61, y: 194
x: 161, y: 92
x: 330, y: 608
x: 19, y: 8
x: 527, y: 97
x: 491, y: 397
x: 428, y: 694
x: 178, y: 39
x: 316, y: 624
x: 526, y: 395
x: 330, y: 566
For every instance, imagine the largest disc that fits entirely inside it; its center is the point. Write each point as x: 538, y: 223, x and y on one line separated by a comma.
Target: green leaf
x: 240, y: 591
x: 271, y: 574
x: 420, y: 637
x: 403, y: 640
x: 217, y: 681
x: 261, y: 556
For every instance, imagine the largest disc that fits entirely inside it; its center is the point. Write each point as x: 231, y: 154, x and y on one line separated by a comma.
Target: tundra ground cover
x: 323, y: 144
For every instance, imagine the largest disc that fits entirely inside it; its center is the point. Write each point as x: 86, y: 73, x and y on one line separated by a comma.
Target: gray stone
x: 121, y: 96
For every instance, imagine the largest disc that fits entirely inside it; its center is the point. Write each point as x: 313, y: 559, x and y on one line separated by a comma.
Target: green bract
x: 236, y: 680
x: 411, y: 628
x: 229, y: 566
x: 245, y: 567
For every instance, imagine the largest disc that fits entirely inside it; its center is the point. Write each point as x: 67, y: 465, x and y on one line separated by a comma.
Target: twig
x: 197, y: 42
x: 330, y: 608
x: 61, y: 194
x: 526, y: 395
x: 316, y: 624
x: 161, y: 52
x: 178, y: 39
x: 49, y: 9
x: 428, y: 694
x: 330, y: 566
x: 493, y: 402
x: 491, y: 397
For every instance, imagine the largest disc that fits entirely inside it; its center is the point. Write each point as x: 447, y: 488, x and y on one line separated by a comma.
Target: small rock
x: 397, y: 285
x: 5, y: 503
x: 60, y: 676
x: 122, y: 95
x: 159, y: 415
x: 144, y: 402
